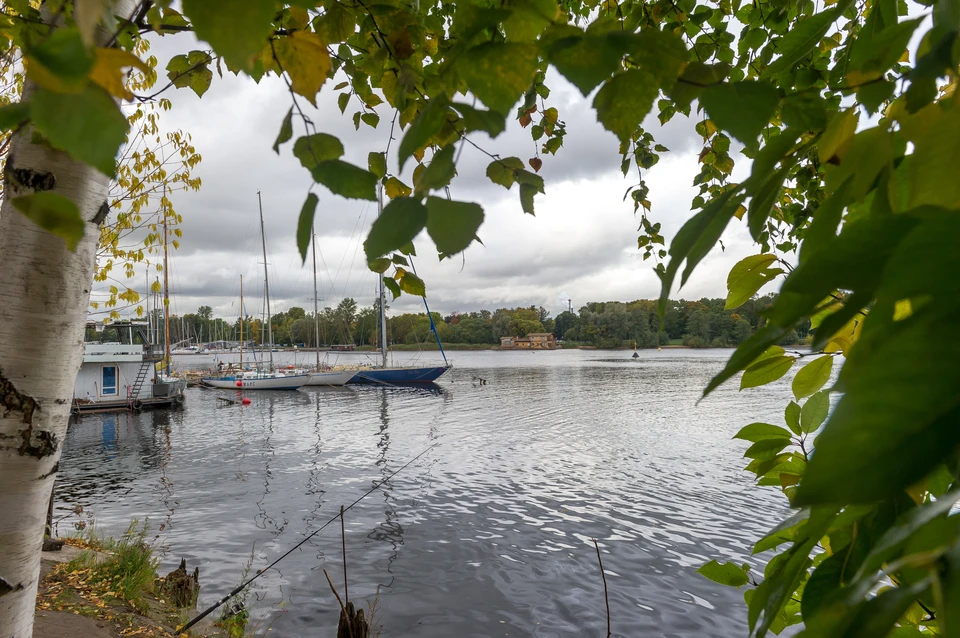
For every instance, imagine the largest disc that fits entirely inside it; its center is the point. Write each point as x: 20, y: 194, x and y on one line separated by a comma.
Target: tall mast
x: 166, y: 287
x: 316, y: 309
x: 383, y: 316
x: 266, y: 281
x: 241, y: 322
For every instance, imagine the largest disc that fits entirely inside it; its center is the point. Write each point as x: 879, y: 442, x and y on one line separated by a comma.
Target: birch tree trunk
x: 44, y: 296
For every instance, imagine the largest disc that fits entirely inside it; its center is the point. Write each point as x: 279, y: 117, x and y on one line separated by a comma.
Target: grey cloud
x: 582, y: 242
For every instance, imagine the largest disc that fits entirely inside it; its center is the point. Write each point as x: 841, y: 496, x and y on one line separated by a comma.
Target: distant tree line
x: 608, y: 324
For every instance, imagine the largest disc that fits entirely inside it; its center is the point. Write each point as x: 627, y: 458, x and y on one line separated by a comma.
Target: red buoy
x: 246, y: 401
x: 239, y: 384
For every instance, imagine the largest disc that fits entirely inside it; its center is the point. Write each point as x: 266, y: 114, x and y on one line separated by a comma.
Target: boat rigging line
x: 206, y: 612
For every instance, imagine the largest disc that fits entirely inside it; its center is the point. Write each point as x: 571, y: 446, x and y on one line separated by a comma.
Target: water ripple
x: 491, y: 533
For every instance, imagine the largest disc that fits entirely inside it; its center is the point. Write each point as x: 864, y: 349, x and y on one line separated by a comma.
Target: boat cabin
x: 119, y: 370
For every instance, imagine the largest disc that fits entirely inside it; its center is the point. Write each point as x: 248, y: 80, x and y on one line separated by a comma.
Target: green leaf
x: 346, y: 180
x: 695, y: 77
x: 761, y: 432
x: 587, y: 60
x: 305, y: 225
x: 311, y: 150
x: 504, y: 171
x: 824, y: 584
x: 191, y: 70
x: 899, y: 411
x: 401, y: 220
x: 747, y: 353
x: 286, y: 131
x: 53, y: 213
x: 528, y: 190
x: 765, y: 199
x: 812, y: 376
x: 624, y: 101
x: 766, y: 371
x: 803, y: 37
x: 439, y: 172
x: 421, y: 131
x: 791, y: 415
x: 877, y: 616
x: 393, y: 286
x: 873, y: 95
x: 854, y: 261
x: 784, y: 572
x: 784, y: 532
x: 61, y: 62
x: 452, y: 225
x: 742, y: 108
x: 13, y: 115
x: 747, y: 277
x: 499, y: 73
x: 926, y: 262
x: 873, y: 53
x: 893, y: 540
x: 380, y: 265
x: 766, y: 449
x: 695, y: 239
x: 724, y: 573
x: 236, y: 30
x: 336, y: 24
x: 475, y: 119
x: 88, y: 125
x: 412, y: 285
x: 377, y: 164
x: 814, y: 411
x: 929, y: 180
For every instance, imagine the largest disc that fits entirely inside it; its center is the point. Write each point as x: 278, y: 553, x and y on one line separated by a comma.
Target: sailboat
x: 399, y: 375
x: 319, y: 376
x: 259, y: 379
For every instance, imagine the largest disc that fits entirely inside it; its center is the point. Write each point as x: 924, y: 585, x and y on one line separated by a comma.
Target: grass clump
x: 124, y: 569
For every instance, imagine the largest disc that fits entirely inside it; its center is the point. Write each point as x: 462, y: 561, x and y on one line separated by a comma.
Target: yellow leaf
x: 741, y: 209
x: 838, y: 136
x: 108, y: 70
x: 395, y: 188
x: 304, y: 57
x: 902, y: 309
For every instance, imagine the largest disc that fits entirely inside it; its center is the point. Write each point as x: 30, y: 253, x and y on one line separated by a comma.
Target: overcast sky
x: 582, y: 243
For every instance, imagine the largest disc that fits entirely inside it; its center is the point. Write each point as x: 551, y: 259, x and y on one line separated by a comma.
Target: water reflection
x: 489, y: 533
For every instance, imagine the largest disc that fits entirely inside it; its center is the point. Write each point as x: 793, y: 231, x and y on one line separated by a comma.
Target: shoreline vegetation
x: 99, y: 587
x: 609, y: 325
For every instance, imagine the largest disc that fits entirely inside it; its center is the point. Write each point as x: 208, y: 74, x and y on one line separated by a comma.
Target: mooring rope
x: 260, y: 572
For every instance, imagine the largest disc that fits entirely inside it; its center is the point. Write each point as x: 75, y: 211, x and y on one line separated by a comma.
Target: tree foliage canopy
x: 851, y: 133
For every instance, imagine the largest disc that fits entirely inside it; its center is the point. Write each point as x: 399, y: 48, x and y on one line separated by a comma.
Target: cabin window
x: 109, y: 385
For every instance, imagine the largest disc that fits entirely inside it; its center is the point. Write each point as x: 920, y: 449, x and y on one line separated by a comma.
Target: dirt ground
x: 65, y: 611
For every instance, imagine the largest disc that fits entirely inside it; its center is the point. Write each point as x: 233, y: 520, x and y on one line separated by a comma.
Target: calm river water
x: 487, y: 534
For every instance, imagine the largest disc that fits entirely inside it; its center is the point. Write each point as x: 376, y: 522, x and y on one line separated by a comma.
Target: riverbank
x: 101, y: 588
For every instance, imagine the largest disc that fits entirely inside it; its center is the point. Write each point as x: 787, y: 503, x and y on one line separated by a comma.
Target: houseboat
x: 119, y: 371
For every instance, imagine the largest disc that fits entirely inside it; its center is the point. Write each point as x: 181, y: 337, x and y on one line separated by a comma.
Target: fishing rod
x: 260, y: 572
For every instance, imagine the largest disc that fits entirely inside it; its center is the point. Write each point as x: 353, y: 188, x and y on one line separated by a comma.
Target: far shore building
x: 533, y: 341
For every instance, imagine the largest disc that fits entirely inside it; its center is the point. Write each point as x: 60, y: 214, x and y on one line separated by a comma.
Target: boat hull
x: 336, y: 377
x: 398, y: 376
x: 293, y: 382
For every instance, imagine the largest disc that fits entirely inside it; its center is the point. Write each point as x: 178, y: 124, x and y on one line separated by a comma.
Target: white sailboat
x: 259, y: 379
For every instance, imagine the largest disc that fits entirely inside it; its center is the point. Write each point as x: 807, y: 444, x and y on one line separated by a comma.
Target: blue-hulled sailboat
x: 399, y: 375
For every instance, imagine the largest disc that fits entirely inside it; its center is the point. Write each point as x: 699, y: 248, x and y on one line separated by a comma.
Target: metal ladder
x: 138, y: 382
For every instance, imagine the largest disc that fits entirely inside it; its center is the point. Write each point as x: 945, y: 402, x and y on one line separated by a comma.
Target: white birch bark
x: 44, y: 296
